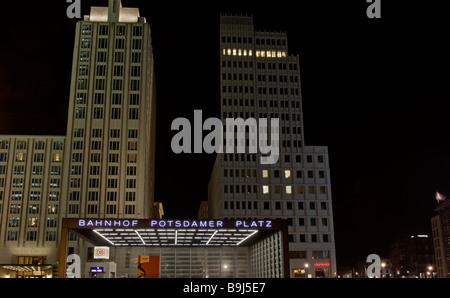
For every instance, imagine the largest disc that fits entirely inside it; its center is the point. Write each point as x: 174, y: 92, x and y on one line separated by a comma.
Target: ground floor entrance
x: 175, y: 248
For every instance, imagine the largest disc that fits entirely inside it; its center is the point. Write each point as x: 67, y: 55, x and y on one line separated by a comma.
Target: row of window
x: 274, y: 189
x: 237, y: 39
x: 109, y: 209
x: 35, y: 170
x: 262, y: 103
x: 35, y: 195
x: 37, y: 157
x: 93, y: 196
x: 116, y: 99
x: 120, y: 30
x: 98, y: 133
x: 117, y: 84
x: 260, y: 90
x: 261, y: 78
x: 95, y: 170
x: 95, y: 183
x: 31, y: 236
x: 113, y: 145
x: 102, y: 43
x: 242, y: 65
x: 97, y: 157
x: 245, y: 115
x: 249, y: 53
x: 287, y: 174
x: 119, y: 57
x: 304, y: 238
x: 38, y: 145
x: 258, y: 40
x: 16, y: 195
x: 253, y: 205
x: 32, y: 209
x: 118, y: 71
x: 315, y: 254
x: 276, y: 173
x: 116, y: 113
x: 14, y: 222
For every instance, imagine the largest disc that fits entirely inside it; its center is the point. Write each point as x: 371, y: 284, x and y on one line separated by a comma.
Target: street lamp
x: 429, y: 272
x: 383, y: 265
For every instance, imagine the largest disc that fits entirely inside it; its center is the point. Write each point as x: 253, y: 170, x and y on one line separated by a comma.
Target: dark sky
x: 376, y: 92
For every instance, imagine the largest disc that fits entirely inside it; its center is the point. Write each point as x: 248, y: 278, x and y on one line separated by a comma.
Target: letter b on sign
x: 374, y: 269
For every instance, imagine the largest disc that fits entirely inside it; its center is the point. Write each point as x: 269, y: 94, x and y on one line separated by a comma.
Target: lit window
x: 234, y: 52
x: 287, y: 174
x: 269, y: 54
x: 132, y: 158
x: 20, y: 156
x: 224, y: 52
x: 239, y: 52
x: 288, y: 189
x: 265, y: 189
x: 32, y: 221
x: 258, y: 54
x: 265, y: 173
x: 52, y: 209
x: 229, y: 52
x: 279, y: 54
x: 273, y: 54
x: 245, y: 52
x: 250, y: 53
x: 283, y: 54
x: 263, y: 54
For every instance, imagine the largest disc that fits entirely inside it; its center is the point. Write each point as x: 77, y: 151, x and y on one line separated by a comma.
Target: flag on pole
x: 440, y: 197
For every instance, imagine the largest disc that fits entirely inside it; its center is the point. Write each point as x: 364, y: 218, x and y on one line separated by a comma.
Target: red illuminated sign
x: 321, y: 264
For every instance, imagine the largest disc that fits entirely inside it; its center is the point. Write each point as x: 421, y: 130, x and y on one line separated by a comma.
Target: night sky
x: 375, y: 91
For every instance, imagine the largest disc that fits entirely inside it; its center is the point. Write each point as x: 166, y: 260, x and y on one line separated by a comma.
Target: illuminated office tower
x: 259, y: 79
x: 111, y: 122
x: 30, y: 203
x: 104, y: 166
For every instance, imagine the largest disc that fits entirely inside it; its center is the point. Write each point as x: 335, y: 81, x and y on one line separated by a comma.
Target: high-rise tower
x: 111, y: 123
x: 260, y: 80
x: 104, y: 166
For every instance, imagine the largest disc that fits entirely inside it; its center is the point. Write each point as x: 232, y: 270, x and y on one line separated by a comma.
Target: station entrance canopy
x: 153, y: 232
x: 258, y: 235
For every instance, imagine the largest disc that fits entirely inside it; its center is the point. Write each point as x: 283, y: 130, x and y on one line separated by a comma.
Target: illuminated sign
x: 101, y: 252
x: 97, y: 269
x: 169, y: 223
x: 209, y: 224
x: 253, y: 223
x: 420, y: 236
x: 107, y: 223
x: 186, y: 223
x: 321, y: 264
